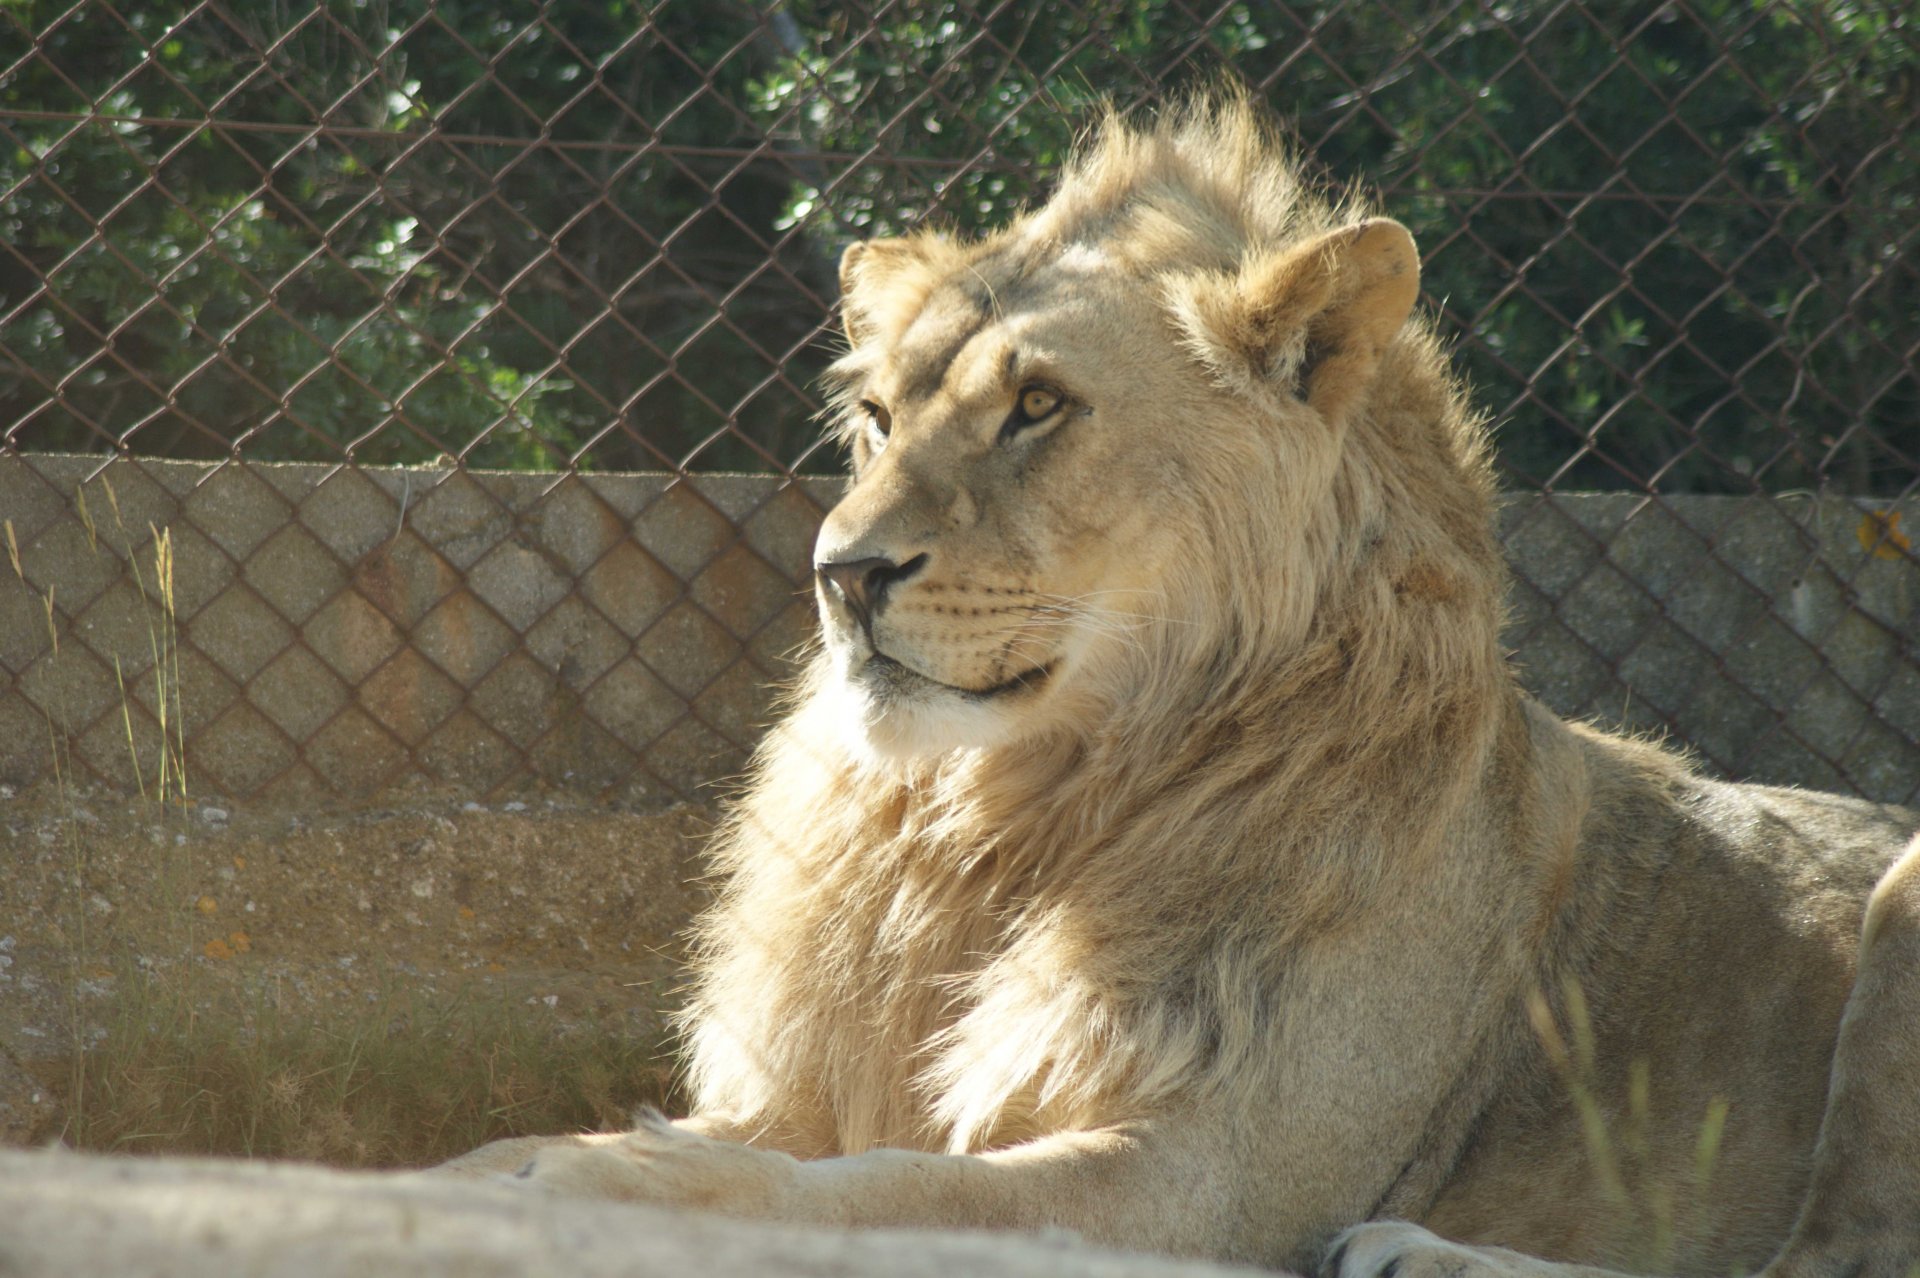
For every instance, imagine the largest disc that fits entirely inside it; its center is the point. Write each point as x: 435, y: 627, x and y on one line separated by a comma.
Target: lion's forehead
x: 954, y: 346
x: 977, y: 338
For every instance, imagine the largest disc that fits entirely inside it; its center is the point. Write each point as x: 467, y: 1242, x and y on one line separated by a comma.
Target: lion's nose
x: 862, y: 584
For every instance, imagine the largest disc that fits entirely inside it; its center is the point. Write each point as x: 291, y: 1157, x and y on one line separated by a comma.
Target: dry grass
x: 1630, y: 1169
x: 404, y: 1081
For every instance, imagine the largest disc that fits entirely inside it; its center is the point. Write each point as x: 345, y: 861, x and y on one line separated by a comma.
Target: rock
x: 68, y: 1214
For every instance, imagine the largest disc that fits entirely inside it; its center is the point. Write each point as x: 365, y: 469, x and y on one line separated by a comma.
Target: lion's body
x: 1161, y: 845
x: 1713, y: 933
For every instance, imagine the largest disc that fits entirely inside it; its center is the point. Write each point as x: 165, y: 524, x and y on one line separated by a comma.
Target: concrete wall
x: 346, y: 634
x: 351, y: 634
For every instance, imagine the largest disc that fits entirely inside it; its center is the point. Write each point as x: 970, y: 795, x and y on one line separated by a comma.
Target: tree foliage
x: 1673, y: 238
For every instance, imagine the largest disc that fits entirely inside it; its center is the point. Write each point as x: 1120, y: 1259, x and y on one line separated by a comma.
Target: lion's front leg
x: 511, y: 1156
x: 670, y: 1164
x: 1148, y: 1188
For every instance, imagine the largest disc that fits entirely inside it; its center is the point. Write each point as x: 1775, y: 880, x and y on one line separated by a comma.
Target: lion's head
x: 1112, y: 443
x: 1164, y: 599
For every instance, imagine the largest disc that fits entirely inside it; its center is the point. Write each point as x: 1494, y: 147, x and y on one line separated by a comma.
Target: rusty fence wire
x: 465, y: 353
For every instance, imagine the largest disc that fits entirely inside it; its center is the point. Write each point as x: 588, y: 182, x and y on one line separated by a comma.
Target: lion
x: 1160, y: 846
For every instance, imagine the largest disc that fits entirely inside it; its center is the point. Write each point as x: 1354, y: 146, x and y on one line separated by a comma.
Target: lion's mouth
x: 897, y: 674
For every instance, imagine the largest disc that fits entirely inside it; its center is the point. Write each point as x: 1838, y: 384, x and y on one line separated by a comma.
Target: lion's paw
x: 1395, y: 1249
x: 660, y: 1163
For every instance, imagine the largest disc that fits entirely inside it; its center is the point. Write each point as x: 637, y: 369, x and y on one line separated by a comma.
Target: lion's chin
x: 892, y: 714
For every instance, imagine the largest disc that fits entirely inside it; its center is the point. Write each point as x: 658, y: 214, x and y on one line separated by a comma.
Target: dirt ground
x: 136, y: 937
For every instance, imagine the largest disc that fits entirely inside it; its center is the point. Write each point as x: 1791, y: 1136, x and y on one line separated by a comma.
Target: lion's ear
x: 1319, y: 315
x: 865, y: 269
x: 1333, y: 304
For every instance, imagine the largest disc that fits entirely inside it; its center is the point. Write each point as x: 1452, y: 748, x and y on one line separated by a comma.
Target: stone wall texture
x: 334, y: 635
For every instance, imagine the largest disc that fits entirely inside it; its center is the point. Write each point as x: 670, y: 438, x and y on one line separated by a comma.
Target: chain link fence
x: 373, y: 307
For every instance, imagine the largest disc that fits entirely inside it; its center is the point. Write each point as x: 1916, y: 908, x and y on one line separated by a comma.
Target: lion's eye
x: 1036, y: 404
x: 877, y: 418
